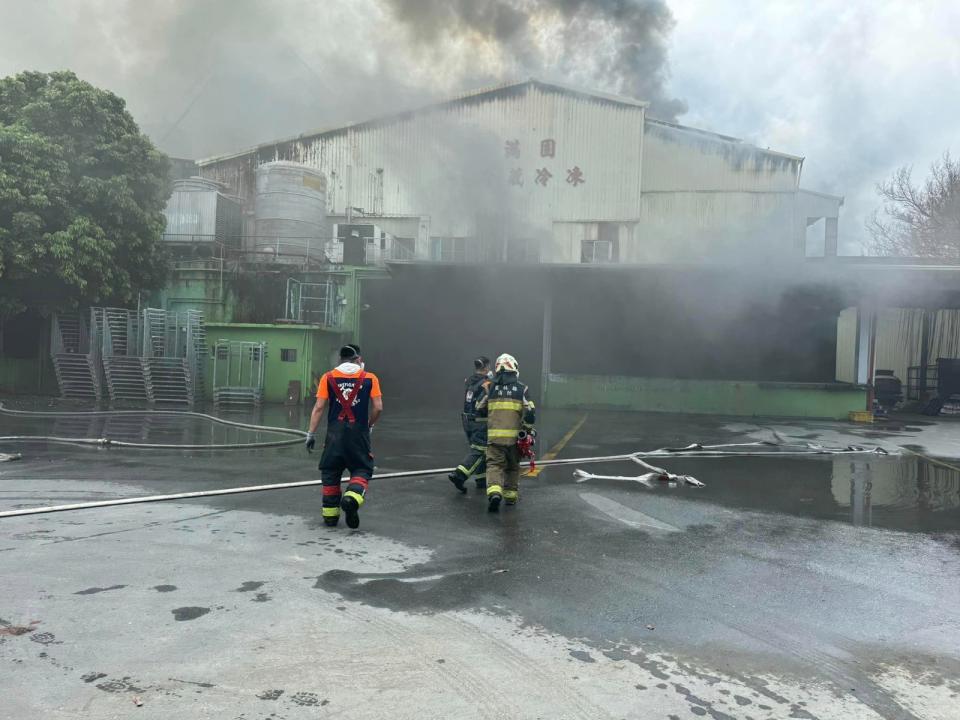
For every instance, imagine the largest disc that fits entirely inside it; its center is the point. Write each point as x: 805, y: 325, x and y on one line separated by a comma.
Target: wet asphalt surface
x: 824, y: 569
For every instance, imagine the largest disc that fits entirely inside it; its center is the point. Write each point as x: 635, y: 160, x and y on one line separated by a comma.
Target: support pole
x: 547, y: 344
x: 924, y: 353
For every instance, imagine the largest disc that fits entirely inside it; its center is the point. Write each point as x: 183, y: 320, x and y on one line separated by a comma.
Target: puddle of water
x: 902, y: 493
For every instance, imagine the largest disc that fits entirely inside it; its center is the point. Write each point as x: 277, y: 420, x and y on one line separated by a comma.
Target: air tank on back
x: 290, y: 213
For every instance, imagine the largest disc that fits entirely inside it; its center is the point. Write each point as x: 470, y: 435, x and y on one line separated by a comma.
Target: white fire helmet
x: 507, y: 363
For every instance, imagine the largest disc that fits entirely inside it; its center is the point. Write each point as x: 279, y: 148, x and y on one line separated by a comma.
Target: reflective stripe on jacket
x: 507, y: 409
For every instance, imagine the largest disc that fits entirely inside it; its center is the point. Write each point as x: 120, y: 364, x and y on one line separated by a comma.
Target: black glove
x: 311, y: 441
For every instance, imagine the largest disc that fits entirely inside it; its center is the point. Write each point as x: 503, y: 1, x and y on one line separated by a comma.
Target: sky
x: 858, y: 88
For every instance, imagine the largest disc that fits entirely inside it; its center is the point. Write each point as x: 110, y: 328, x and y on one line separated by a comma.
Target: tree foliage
x: 919, y: 220
x: 82, y: 192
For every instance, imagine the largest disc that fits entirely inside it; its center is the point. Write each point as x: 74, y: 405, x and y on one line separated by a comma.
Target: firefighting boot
x: 493, y: 498
x: 331, y: 513
x: 351, y: 508
x: 510, y: 497
x: 458, y: 480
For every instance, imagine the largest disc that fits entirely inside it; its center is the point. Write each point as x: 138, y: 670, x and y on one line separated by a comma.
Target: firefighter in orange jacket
x: 508, y: 411
x: 355, y: 403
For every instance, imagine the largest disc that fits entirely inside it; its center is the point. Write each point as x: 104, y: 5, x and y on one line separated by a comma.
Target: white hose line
x: 299, y: 435
x: 635, y: 457
x: 107, y: 443
x: 188, y: 413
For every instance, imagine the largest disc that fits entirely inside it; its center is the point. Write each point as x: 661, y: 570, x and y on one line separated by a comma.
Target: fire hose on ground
x: 750, y: 449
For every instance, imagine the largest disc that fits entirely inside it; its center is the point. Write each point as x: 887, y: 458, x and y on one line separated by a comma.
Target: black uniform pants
x: 346, y: 447
x: 475, y: 461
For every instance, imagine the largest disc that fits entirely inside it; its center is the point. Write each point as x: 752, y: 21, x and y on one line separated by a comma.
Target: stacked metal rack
x: 153, y: 356
x: 238, y: 372
x: 75, y: 351
x: 174, y: 352
x: 122, y: 364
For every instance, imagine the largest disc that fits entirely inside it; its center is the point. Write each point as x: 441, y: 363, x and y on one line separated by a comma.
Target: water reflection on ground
x: 885, y: 486
x: 903, y: 491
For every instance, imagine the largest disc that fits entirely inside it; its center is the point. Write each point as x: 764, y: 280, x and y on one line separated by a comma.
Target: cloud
x: 858, y: 88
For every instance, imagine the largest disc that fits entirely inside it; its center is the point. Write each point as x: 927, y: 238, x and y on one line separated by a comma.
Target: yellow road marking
x: 929, y: 459
x: 558, y: 448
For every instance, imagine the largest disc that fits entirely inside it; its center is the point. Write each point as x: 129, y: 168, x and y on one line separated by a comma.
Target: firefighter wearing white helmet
x: 508, y: 411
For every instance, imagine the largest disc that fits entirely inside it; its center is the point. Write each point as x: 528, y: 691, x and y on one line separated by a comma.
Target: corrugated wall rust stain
x: 678, y: 158
x: 400, y: 165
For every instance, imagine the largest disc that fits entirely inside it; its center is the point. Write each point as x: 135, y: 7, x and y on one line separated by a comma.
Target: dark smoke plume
x: 220, y: 75
x: 620, y: 45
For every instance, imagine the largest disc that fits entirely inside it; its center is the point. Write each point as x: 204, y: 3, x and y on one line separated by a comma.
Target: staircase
x: 156, y: 356
x: 121, y: 357
x: 125, y: 378
x: 174, y: 352
x: 196, y: 353
x: 168, y: 380
x: 76, y: 377
x: 76, y: 368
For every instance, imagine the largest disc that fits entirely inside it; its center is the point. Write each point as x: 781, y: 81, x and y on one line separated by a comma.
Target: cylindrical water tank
x: 290, y: 213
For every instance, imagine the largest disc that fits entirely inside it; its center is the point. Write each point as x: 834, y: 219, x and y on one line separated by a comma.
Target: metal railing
x: 288, y: 250
x: 75, y: 352
x: 238, y: 372
x: 319, y: 303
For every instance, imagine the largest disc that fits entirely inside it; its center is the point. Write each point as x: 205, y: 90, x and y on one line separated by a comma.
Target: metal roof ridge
x: 728, y: 138
x: 486, y: 90
x: 822, y: 194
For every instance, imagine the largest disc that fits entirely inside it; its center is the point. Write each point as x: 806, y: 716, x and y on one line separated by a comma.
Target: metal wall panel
x: 678, y: 158
x: 847, y: 323
x: 898, y: 340
x: 191, y: 213
x: 534, y: 155
x: 691, y: 226
x: 945, y: 335
x: 483, y: 154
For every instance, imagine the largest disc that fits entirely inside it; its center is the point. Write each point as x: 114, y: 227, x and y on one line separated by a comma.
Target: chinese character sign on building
x: 575, y: 176
x: 542, y: 175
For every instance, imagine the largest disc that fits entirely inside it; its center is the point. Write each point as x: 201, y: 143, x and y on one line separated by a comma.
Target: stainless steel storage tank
x: 198, y: 212
x: 290, y: 213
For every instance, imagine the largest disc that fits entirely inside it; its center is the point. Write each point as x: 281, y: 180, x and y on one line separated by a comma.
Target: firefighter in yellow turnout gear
x: 508, y: 411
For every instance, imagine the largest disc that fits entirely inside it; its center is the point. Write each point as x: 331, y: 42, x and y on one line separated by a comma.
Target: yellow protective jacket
x: 507, y: 409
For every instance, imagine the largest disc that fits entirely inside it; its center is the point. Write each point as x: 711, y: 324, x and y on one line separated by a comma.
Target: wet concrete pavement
x: 819, y: 587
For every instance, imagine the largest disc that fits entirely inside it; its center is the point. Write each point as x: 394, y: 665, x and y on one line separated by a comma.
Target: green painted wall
x: 30, y: 376
x: 712, y: 397
x: 203, y: 289
x: 315, y: 350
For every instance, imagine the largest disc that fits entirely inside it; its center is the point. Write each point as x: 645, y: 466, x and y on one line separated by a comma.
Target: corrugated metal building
x: 538, y: 171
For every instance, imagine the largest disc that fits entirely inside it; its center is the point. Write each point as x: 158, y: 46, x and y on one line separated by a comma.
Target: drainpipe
x: 871, y: 359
